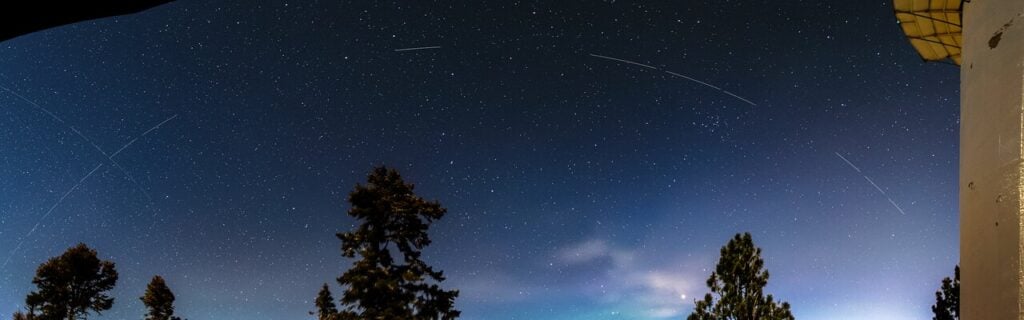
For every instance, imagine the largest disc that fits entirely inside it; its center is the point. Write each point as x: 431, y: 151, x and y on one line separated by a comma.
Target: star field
x: 578, y: 187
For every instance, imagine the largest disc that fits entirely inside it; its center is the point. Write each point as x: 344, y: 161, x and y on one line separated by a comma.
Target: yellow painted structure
x: 933, y: 27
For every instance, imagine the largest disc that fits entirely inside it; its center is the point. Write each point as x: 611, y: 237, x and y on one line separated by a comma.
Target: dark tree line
x: 76, y: 284
x: 738, y: 282
x: 389, y: 280
x: 394, y: 221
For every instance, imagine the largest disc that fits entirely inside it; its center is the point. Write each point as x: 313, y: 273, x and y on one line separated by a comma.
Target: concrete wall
x: 992, y: 161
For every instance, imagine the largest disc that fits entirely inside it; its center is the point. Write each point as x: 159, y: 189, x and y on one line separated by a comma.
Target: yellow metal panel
x: 932, y: 26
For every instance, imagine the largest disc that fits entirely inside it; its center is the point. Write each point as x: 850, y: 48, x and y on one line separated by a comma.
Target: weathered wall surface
x: 992, y: 161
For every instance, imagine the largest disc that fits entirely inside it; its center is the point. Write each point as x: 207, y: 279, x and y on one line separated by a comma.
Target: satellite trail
x: 872, y: 182
x: 848, y: 162
x: 83, y: 137
x: 80, y: 181
x: 116, y: 165
x: 47, y: 214
x: 739, y: 97
x: 694, y: 80
x: 142, y: 135
x: 33, y: 104
x: 623, y: 61
x: 417, y: 48
x: 109, y: 157
x: 677, y: 75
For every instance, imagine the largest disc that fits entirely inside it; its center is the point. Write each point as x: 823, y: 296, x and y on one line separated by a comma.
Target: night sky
x: 594, y: 156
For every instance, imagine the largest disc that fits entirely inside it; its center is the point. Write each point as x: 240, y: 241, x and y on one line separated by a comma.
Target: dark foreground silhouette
x: 23, y: 17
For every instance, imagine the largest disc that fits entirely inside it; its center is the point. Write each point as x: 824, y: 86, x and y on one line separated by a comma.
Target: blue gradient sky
x: 578, y: 187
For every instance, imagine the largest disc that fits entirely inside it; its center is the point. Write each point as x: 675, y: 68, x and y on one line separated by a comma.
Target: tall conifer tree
x: 393, y: 223
x: 159, y: 300
x: 737, y: 287
x: 325, y: 308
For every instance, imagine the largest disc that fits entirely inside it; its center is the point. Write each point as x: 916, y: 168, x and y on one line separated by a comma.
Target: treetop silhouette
x: 393, y: 224
x: 737, y: 287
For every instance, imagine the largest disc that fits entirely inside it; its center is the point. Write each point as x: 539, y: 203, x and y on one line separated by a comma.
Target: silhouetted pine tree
x: 325, y: 308
x: 72, y: 285
x: 737, y: 286
x: 159, y: 300
x: 393, y: 223
x: 947, y: 299
x: 32, y: 304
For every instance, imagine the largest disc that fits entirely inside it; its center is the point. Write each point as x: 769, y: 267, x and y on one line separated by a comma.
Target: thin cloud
x: 647, y: 288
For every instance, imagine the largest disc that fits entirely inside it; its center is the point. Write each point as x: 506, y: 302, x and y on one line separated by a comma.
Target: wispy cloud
x: 649, y: 288
x: 591, y: 250
x: 493, y: 287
